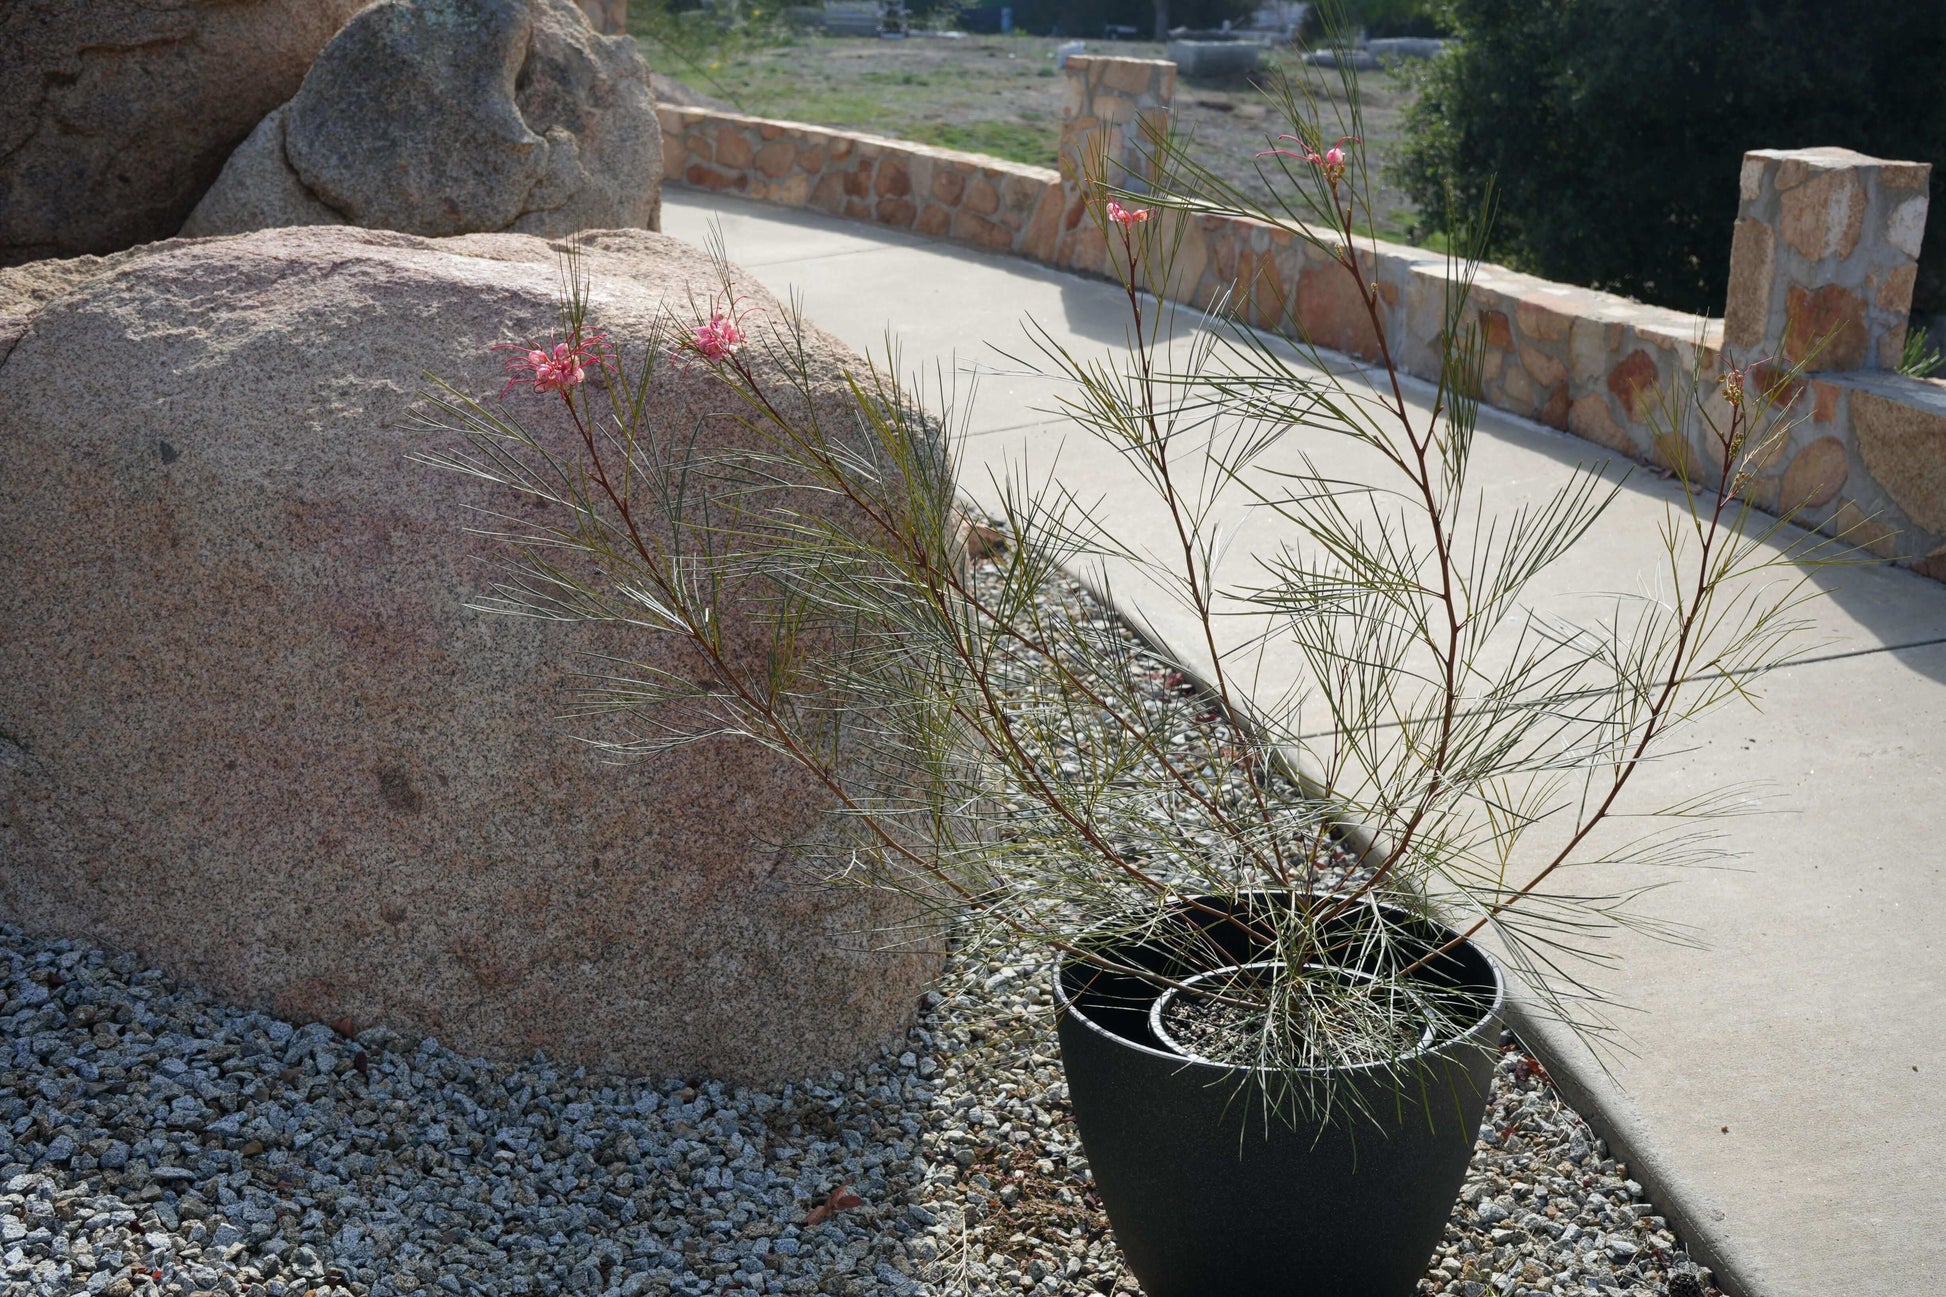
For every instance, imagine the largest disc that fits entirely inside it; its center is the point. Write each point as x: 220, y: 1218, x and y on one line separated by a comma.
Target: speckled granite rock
x: 249, y: 728
x: 115, y: 115
x: 445, y: 117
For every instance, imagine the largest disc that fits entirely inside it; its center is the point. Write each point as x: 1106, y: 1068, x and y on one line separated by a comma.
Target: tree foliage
x: 1614, y: 129
x: 1088, y: 18
x: 1375, y: 18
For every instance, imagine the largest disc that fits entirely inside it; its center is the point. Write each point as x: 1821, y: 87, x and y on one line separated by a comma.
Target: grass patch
x: 1033, y: 143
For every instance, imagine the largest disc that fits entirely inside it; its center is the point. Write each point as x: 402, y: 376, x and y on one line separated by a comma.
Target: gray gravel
x: 156, y: 1141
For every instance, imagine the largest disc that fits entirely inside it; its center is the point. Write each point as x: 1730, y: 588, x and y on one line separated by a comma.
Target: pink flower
x: 718, y: 340
x: 719, y: 337
x: 1125, y: 218
x: 1332, y: 161
x: 557, y: 370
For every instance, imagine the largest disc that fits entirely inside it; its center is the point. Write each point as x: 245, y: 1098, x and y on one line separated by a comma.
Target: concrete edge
x: 1589, y: 1089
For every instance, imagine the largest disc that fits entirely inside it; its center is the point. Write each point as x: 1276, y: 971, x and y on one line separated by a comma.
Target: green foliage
x: 1033, y: 143
x: 1089, y: 18
x: 1920, y: 359
x: 1379, y: 18
x: 1615, y: 128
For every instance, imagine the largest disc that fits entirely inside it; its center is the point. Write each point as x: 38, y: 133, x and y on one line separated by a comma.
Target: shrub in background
x: 1377, y: 19
x: 1088, y: 18
x: 1614, y: 129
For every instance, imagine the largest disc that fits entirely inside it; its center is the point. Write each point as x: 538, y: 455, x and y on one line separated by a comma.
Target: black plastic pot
x: 1211, y: 1196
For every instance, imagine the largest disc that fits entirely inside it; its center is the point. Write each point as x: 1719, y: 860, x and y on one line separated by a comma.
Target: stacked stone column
x: 1114, y: 108
x: 1823, y: 258
x: 1822, y: 263
x: 1114, y: 111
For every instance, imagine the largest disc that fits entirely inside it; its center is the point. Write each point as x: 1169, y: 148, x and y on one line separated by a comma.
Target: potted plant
x: 1264, y: 913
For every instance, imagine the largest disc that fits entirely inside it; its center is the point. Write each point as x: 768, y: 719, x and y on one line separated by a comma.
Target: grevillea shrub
x: 993, y: 757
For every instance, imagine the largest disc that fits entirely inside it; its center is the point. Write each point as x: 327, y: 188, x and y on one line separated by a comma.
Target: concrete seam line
x: 816, y: 256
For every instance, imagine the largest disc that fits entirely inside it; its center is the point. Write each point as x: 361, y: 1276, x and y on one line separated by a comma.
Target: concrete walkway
x: 1786, y: 1095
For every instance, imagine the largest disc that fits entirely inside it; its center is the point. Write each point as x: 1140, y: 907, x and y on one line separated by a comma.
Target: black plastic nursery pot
x: 1211, y: 1196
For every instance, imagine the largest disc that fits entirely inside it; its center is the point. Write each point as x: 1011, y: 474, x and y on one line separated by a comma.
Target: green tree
x: 1089, y: 17
x: 1614, y: 129
x: 1376, y: 18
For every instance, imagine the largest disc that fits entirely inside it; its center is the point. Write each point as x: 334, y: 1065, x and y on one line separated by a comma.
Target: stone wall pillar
x: 1826, y: 244
x: 609, y: 17
x: 1112, y: 105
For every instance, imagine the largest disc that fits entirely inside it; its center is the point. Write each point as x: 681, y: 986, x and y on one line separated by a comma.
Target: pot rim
x: 1495, y: 1011
x: 1157, y: 1005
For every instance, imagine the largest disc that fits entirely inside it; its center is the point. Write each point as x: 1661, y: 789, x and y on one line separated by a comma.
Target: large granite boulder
x: 250, y: 729
x: 445, y: 117
x: 115, y: 115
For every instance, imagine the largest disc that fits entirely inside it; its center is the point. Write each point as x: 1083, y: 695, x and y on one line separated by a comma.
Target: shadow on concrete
x: 1894, y: 606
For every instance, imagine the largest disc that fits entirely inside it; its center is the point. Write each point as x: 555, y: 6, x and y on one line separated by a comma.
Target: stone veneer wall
x: 965, y: 197
x: 1826, y: 243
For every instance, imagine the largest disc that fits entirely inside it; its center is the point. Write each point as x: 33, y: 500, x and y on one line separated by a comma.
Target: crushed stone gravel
x: 157, y: 1142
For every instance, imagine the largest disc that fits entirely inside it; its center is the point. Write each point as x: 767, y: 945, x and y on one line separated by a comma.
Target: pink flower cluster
x: 1125, y: 218
x: 556, y: 370
x: 1332, y: 161
x: 719, y: 339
